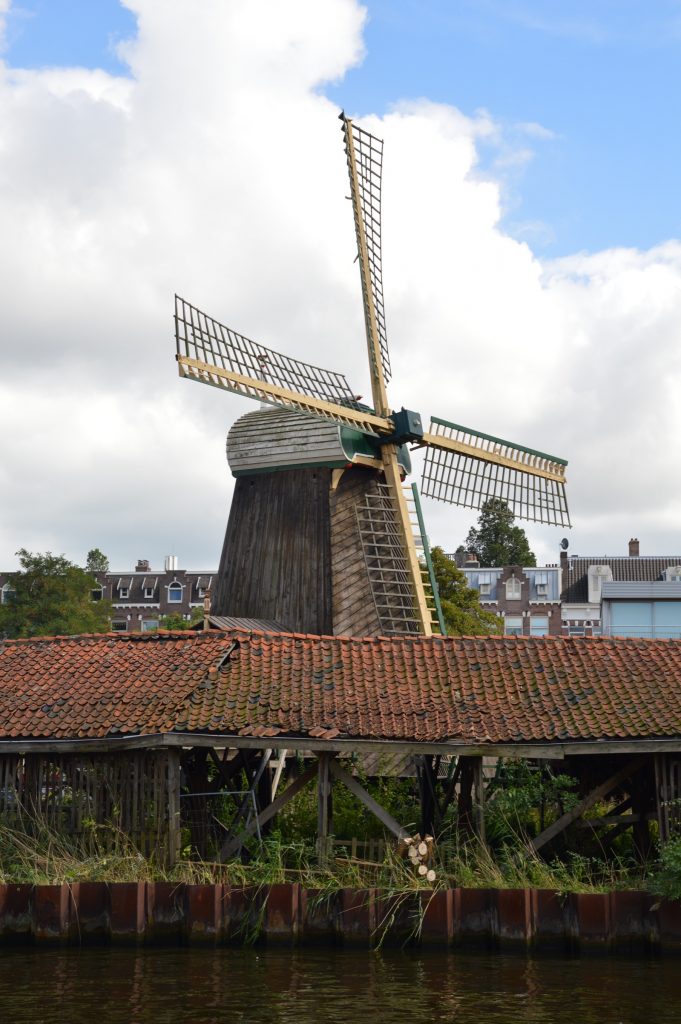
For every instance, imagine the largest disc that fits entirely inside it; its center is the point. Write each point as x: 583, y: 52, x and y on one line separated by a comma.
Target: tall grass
x: 40, y: 854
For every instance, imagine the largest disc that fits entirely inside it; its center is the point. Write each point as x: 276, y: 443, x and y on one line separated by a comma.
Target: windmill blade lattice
x: 365, y: 177
x: 207, y: 341
x: 465, y: 467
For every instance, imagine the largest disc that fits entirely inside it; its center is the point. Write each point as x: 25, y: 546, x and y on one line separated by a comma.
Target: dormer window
x: 149, y: 587
x: 485, y: 584
x: 123, y: 588
x: 7, y: 593
x: 513, y: 589
x: 541, y: 581
x: 203, y: 584
x: 97, y: 593
x: 673, y: 574
x: 175, y: 592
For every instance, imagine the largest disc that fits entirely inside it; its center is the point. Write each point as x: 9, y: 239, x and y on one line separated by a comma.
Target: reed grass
x: 40, y: 854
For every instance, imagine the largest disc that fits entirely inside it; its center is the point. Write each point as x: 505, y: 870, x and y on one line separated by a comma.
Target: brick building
x: 634, y: 595
x: 527, y: 599
x: 141, y: 597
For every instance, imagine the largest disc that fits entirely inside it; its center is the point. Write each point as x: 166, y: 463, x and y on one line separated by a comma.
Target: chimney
x: 471, y: 561
x: 171, y: 563
x: 633, y: 548
x: 142, y: 565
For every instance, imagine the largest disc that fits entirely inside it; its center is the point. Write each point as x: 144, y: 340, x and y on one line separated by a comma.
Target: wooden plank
x: 593, y: 797
x: 174, y: 830
x: 360, y: 792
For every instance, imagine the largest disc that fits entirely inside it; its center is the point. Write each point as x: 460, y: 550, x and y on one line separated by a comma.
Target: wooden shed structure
x: 123, y: 728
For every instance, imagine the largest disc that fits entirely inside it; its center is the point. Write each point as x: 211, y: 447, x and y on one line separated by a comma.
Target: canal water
x: 105, y: 986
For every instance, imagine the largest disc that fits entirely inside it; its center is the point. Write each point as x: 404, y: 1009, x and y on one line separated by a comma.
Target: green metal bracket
x: 429, y: 560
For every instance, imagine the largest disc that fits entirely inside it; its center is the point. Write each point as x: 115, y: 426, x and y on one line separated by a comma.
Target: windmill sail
x: 365, y: 165
x: 465, y: 467
x: 211, y: 353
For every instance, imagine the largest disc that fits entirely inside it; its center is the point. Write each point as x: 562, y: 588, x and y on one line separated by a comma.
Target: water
x: 319, y: 986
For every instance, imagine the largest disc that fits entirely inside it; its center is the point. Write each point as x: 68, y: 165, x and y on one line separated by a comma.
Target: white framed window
x: 541, y: 582
x: 148, y: 625
x: 513, y: 589
x: 6, y: 593
x: 97, y: 593
x: 485, y: 583
x: 539, y: 625
x: 149, y: 593
x: 175, y: 593
x: 123, y: 592
x: 513, y: 625
x: 119, y: 626
x: 577, y: 629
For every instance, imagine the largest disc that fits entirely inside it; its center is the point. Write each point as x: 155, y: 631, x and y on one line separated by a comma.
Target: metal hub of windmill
x: 322, y: 535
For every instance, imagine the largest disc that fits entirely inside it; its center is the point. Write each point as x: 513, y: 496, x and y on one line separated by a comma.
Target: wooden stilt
x: 479, y: 799
x: 324, y: 807
x: 174, y: 830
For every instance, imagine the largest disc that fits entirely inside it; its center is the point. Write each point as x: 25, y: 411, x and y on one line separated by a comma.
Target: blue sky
x: 603, y: 77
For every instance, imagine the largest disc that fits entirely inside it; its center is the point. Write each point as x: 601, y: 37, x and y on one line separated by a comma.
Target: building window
x: 148, y: 593
x: 149, y: 625
x: 541, y: 580
x: 485, y: 584
x: 646, y: 619
x: 97, y: 594
x: 119, y: 626
x: 577, y: 629
x: 513, y: 589
x: 7, y: 593
x: 513, y: 625
x: 123, y: 592
x: 539, y: 625
x: 175, y: 593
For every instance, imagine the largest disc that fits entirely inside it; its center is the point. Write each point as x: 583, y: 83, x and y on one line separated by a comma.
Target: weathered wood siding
x: 354, y: 612
x: 276, y: 561
x: 279, y: 438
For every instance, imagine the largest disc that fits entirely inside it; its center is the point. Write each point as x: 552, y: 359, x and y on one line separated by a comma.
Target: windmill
x: 320, y: 526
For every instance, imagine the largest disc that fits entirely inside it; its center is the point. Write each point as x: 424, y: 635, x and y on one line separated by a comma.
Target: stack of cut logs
x: 420, y: 853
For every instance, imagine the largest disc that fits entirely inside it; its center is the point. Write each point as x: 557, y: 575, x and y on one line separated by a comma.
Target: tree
x: 96, y: 561
x: 52, y: 597
x: 460, y: 603
x: 497, y: 541
x: 177, y: 621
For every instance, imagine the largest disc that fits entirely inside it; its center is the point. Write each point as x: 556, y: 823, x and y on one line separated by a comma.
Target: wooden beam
x: 541, y: 751
x: 373, y: 805
x: 249, y: 387
x: 174, y: 830
x: 449, y: 444
x: 233, y: 844
x: 593, y: 797
x: 324, y: 826
x: 479, y: 799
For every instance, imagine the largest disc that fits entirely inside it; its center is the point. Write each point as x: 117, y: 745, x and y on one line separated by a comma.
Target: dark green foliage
x: 460, y: 603
x: 496, y: 541
x: 52, y: 597
x: 96, y: 561
x: 523, y: 799
x: 666, y: 880
x: 351, y: 819
x: 177, y: 621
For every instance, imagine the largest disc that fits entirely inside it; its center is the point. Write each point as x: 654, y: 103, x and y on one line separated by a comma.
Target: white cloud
x: 217, y: 170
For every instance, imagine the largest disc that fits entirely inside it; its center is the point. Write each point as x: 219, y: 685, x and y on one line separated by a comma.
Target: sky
x: 531, y: 225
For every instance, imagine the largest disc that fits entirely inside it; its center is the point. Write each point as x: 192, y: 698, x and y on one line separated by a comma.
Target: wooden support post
x: 479, y: 799
x: 324, y: 807
x: 594, y: 796
x: 465, y: 819
x: 427, y: 779
x: 174, y: 830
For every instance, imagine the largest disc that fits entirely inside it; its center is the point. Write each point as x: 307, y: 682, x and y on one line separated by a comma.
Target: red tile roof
x: 472, y: 690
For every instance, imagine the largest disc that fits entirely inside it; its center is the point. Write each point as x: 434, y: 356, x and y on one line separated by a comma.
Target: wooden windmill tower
x: 321, y: 536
